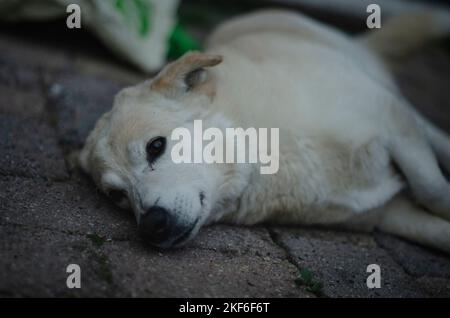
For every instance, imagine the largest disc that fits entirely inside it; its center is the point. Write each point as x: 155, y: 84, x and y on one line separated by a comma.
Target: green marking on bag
x: 181, y: 42
x: 142, y: 10
x: 120, y: 5
x: 144, y: 13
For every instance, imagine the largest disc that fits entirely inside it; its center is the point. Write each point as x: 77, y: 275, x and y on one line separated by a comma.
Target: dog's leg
x: 401, y: 217
x: 439, y: 140
x: 419, y: 165
x: 412, y: 153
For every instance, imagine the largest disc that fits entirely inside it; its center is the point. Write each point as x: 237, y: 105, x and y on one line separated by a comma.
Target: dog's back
x: 284, y: 70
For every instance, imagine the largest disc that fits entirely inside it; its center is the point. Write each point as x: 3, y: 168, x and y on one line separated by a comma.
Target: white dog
x: 350, y: 144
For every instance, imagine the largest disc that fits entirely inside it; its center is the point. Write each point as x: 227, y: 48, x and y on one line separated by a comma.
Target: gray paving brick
x: 29, y: 148
x: 339, y: 261
x: 33, y: 54
x: 78, y: 101
x: 236, y: 240
x: 200, y: 273
x: 68, y: 207
x: 36, y: 267
x: 34, y: 262
x: 21, y: 90
x: 416, y: 260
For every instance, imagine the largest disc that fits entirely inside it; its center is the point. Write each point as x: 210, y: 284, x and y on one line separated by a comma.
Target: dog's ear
x: 185, y: 74
x: 79, y: 159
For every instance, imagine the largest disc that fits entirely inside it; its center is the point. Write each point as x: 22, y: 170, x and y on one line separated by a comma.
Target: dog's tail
x: 358, y: 8
x: 403, y: 34
x: 406, y: 24
x: 409, y: 25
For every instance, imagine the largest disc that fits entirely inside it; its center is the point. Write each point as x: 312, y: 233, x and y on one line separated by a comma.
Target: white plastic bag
x: 137, y: 30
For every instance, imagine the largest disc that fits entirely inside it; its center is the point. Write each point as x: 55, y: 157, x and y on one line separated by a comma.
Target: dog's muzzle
x: 159, y: 228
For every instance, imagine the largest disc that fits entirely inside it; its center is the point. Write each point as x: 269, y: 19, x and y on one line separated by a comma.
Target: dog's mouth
x: 188, y: 234
x: 167, y: 232
x: 184, y: 237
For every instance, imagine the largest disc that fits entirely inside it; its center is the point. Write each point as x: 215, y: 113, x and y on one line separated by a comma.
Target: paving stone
x: 34, y: 263
x: 435, y: 286
x: 29, y: 148
x: 18, y: 75
x: 21, y: 90
x: 67, y: 207
x: 39, y: 46
x: 36, y: 267
x: 339, y: 261
x: 78, y: 101
x: 199, y: 273
x: 19, y: 102
x: 415, y: 260
x: 33, y: 54
x: 92, y: 66
x: 66, y: 213
x: 236, y: 240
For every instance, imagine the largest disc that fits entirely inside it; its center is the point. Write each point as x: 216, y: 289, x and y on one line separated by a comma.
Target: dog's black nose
x: 154, y: 225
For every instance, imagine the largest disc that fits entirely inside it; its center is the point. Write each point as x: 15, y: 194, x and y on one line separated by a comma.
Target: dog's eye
x: 117, y: 196
x: 155, y: 148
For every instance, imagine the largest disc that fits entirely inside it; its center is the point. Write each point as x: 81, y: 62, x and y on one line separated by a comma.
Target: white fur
x: 342, y: 124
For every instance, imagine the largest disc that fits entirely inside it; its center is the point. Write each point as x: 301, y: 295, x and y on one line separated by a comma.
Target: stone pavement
x: 50, y: 97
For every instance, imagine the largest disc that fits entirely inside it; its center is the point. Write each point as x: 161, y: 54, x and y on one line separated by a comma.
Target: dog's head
x: 128, y: 154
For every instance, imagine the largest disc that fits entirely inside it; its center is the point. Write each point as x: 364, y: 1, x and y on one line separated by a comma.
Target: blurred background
x: 125, y: 41
x: 172, y: 26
